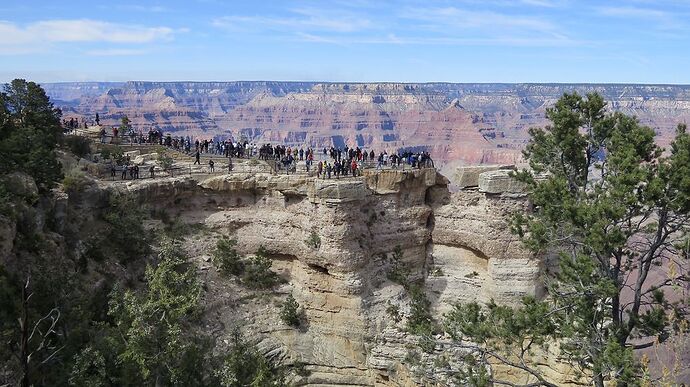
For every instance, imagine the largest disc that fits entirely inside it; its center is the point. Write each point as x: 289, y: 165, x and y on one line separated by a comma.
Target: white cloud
x: 662, y: 20
x: 40, y: 35
x: 457, y: 18
x: 301, y: 19
x: 410, y: 25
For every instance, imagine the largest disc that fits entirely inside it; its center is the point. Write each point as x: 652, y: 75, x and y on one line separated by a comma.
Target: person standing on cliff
x: 211, y: 166
x: 319, y: 169
x: 329, y: 169
x: 196, y: 158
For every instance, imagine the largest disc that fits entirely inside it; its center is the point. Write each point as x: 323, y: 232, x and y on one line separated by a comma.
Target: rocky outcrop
x: 500, y: 182
x: 458, y: 243
x: 468, y: 176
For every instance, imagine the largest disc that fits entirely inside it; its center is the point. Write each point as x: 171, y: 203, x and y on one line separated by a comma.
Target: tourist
x: 211, y: 166
x: 152, y: 170
x: 197, y: 156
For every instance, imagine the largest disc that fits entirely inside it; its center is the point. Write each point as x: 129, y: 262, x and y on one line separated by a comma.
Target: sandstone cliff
x: 458, y: 243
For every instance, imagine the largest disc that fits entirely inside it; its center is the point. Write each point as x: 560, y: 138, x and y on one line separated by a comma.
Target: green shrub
x: 399, y: 272
x: 75, y: 181
x: 165, y: 161
x: 289, y: 313
x: 420, y: 320
x: 257, y: 272
x: 314, y: 240
x: 124, y: 236
x: 394, y: 312
x: 114, y: 153
x: 226, y: 258
x: 80, y: 146
x: 245, y: 366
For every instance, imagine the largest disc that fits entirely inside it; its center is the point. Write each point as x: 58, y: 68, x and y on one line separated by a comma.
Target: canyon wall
x: 458, y: 244
x: 458, y: 123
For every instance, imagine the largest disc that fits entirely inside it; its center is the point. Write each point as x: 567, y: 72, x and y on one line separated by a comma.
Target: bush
x: 114, y: 153
x: 80, y: 146
x: 124, y: 236
x: 419, y: 322
x: 399, y: 272
x: 393, y: 311
x: 314, y: 240
x: 245, y: 366
x: 226, y: 259
x: 257, y: 272
x: 165, y: 161
x: 289, y: 313
x: 75, y: 181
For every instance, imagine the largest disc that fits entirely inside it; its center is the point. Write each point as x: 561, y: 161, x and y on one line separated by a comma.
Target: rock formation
x: 460, y: 124
x: 459, y: 243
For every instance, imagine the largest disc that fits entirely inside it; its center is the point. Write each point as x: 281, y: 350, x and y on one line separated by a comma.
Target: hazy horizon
x: 362, y: 82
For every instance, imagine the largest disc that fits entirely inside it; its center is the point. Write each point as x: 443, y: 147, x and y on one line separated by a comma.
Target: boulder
x: 499, y: 181
x: 142, y: 159
x: 465, y: 177
x: 21, y: 184
x: 339, y: 191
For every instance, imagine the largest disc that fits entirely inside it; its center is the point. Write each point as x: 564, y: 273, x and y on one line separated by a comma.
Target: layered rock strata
x: 458, y: 244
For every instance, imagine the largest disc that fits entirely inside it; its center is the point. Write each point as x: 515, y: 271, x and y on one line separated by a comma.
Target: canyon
x: 459, y: 124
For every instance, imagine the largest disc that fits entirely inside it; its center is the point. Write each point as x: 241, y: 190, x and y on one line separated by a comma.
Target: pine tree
x: 614, y: 208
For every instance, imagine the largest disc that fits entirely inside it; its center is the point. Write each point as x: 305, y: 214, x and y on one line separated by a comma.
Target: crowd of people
x: 336, y: 161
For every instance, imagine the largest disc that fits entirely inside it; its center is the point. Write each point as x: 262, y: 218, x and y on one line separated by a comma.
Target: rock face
x: 465, y: 123
x: 466, y: 177
x: 459, y: 242
x: 499, y: 181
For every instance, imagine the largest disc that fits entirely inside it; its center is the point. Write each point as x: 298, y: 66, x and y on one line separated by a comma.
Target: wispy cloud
x: 410, y: 25
x: 37, y: 36
x: 299, y: 19
x: 662, y: 19
x: 462, y: 19
x: 393, y: 39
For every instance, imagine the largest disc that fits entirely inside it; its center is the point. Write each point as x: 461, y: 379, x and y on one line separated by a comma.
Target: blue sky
x: 635, y: 41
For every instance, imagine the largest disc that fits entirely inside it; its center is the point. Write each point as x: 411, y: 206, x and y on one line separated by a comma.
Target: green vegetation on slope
x: 76, y: 306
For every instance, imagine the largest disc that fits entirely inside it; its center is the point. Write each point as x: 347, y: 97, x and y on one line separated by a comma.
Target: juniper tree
x: 29, y: 133
x: 613, y: 207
